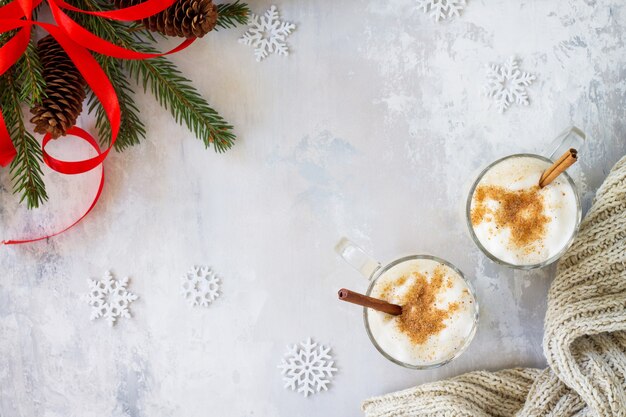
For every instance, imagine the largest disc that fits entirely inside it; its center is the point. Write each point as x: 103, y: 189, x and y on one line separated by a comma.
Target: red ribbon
x: 77, y: 43
x: 75, y: 131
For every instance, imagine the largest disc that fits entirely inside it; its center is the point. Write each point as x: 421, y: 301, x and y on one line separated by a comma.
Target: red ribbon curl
x: 77, y: 43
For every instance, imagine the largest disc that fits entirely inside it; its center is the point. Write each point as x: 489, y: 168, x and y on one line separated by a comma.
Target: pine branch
x: 132, y: 129
x: 29, y: 76
x: 173, y: 91
x: 26, y: 167
x: 176, y: 93
x: 231, y: 14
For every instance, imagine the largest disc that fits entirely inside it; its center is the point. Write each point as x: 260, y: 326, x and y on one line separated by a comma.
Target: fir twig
x: 176, y: 93
x: 132, y: 129
x: 173, y: 91
x: 231, y: 14
x: 26, y: 167
x: 29, y: 76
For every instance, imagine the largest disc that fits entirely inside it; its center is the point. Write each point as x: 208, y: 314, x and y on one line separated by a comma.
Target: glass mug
x: 571, y: 137
x: 373, y: 270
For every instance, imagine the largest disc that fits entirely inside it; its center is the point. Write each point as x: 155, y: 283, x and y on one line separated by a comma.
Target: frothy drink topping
x: 421, y: 318
x: 437, y: 312
x: 521, y: 211
x: 515, y: 220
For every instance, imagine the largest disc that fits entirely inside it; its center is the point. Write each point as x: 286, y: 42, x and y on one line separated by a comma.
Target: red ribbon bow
x: 77, y: 43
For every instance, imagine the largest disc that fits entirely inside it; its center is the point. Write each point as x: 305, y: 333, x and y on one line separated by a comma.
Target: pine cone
x: 64, y: 92
x: 184, y: 18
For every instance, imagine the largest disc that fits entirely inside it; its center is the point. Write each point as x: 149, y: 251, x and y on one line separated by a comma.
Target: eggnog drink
x: 517, y: 222
x: 438, y: 317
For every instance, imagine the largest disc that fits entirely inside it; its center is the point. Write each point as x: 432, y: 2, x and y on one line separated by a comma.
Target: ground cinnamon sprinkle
x: 420, y: 318
x: 385, y: 291
x: 521, y: 211
x: 388, y: 288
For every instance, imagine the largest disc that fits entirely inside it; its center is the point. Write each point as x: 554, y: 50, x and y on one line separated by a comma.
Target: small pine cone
x: 184, y: 18
x: 64, y: 92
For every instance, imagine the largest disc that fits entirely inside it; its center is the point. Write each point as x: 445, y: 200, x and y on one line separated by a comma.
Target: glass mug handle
x: 572, y: 137
x: 357, y: 258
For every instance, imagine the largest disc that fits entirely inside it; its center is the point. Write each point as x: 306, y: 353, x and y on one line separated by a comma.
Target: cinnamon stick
x: 370, y: 302
x: 558, y: 167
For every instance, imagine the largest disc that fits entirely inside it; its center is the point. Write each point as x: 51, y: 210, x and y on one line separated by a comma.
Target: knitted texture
x: 584, y: 338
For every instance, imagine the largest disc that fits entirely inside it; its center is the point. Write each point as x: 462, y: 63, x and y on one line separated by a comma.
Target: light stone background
x: 373, y: 128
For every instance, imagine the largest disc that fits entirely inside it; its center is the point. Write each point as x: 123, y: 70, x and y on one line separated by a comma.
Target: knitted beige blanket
x: 584, y: 339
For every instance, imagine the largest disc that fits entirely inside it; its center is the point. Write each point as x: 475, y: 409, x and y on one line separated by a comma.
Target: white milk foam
x: 438, y: 347
x: 559, y: 205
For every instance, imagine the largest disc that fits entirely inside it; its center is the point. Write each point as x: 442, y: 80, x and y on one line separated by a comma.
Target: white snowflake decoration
x: 267, y: 34
x: 307, y: 368
x: 506, y: 84
x: 441, y: 9
x: 109, y: 298
x: 200, y: 286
